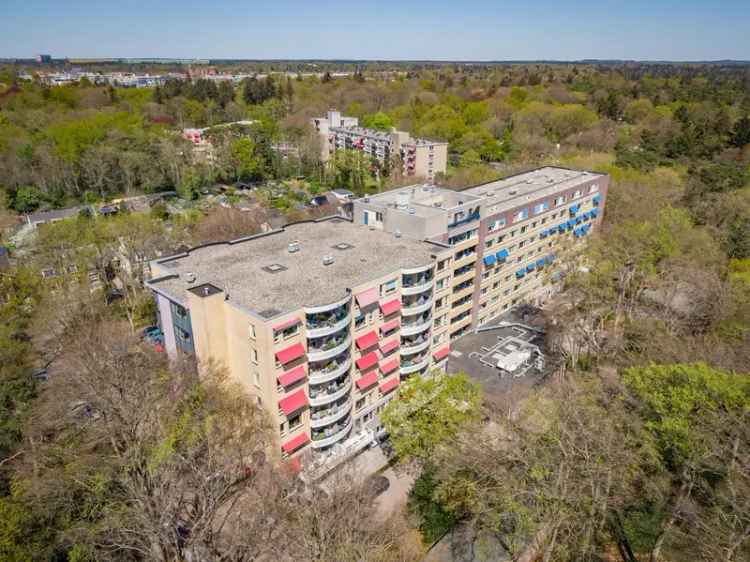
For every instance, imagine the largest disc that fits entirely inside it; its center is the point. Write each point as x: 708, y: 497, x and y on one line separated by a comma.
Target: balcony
x: 329, y: 393
x: 323, y: 326
x: 313, y: 310
x: 415, y: 345
x: 331, y: 435
x: 330, y: 349
x: 417, y: 288
x: 333, y: 370
x: 417, y: 306
x: 417, y: 364
x: 419, y: 325
x: 328, y: 416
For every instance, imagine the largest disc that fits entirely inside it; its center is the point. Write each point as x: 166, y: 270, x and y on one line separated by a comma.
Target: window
x: 359, y: 321
x: 489, y: 243
x: 521, y: 215
x: 593, y: 188
x: 496, y: 224
x: 540, y: 208
x: 524, y: 229
x: 295, y: 422
x: 388, y: 287
x: 360, y: 404
x: 577, y: 194
x: 378, y: 217
x: 252, y: 331
x: 254, y: 355
x: 559, y: 200
x: 256, y: 378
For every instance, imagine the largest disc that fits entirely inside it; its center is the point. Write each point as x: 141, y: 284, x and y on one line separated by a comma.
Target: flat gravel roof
x: 246, y: 269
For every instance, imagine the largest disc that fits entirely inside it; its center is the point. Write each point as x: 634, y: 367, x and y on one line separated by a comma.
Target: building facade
x: 418, y: 157
x: 322, y: 320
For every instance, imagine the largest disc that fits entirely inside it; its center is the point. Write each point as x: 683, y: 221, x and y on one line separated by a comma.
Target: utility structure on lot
x: 322, y: 320
x: 420, y: 158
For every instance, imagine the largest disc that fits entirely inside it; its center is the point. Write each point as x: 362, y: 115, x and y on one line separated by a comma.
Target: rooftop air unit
x: 328, y: 260
x: 190, y: 277
x: 293, y: 247
x: 402, y: 199
x: 397, y: 233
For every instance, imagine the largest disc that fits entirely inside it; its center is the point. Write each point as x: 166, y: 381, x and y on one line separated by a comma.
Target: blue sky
x: 383, y: 29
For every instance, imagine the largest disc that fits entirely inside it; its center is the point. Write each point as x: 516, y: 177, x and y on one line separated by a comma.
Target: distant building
x: 420, y: 157
x: 44, y: 59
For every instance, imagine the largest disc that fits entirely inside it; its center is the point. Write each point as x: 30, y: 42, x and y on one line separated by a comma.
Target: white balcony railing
x: 407, y: 369
x: 416, y: 309
x: 328, y: 397
x: 416, y: 328
x: 333, y: 438
x: 320, y: 377
x: 331, y: 416
x: 323, y: 354
x: 331, y: 328
x: 415, y: 348
x: 416, y: 289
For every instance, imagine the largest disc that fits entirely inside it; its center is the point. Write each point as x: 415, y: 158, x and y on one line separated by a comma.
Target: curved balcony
x: 417, y: 270
x: 323, y: 376
x: 407, y: 349
x: 321, y: 354
x: 328, y: 307
x: 409, y: 368
x: 416, y: 289
x: 331, y: 415
x: 328, y: 327
x: 323, y: 398
x: 322, y: 440
x: 409, y: 329
x: 416, y: 308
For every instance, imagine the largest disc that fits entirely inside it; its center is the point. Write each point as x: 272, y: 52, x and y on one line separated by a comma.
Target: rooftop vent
x: 342, y: 246
x: 412, y: 211
x: 512, y: 192
x: 293, y: 247
x: 529, y: 181
x: 190, y: 277
x: 273, y: 268
x: 328, y: 260
x: 397, y: 233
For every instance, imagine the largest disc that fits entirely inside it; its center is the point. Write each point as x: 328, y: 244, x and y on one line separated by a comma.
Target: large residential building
x: 322, y: 320
x: 420, y: 158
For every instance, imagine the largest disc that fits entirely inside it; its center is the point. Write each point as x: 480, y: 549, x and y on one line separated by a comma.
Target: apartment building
x: 505, y: 235
x: 320, y: 321
x: 419, y: 157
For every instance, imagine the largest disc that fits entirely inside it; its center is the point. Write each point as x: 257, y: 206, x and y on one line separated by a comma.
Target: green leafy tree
x: 429, y: 412
x: 378, y: 120
x: 27, y: 199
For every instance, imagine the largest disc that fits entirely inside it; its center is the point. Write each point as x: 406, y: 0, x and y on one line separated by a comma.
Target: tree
x: 429, y: 412
x: 378, y: 120
x: 740, y: 136
x: 27, y: 199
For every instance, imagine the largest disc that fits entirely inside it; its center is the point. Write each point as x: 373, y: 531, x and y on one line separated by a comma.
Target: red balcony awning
x: 293, y: 402
x: 293, y: 376
x: 368, y: 380
x: 390, y: 307
x: 367, y: 361
x: 389, y: 346
x: 392, y: 325
x: 286, y: 324
x: 389, y: 385
x: 295, y: 443
x: 367, y: 297
x: 440, y: 353
x: 290, y: 353
x: 368, y: 340
x: 391, y: 365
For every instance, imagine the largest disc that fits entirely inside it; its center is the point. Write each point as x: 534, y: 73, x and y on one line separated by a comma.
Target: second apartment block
x: 420, y: 158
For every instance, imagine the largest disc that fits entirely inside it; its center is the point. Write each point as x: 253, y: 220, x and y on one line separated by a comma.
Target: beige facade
x: 419, y: 158
x: 321, y: 321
